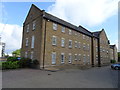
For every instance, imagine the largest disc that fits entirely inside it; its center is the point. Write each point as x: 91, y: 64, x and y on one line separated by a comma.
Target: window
x: 70, y: 58
x: 84, y: 59
x: 54, y: 26
x: 31, y: 57
x: 70, y: 32
x: 84, y: 46
x: 62, y: 57
x: 26, y: 54
x: 32, y: 42
x: 79, y: 57
x: 75, y: 56
x: 96, y: 49
x: 53, y: 57
x: 54, y: 40
x: 76, y: 44
x: 88, y: 59
x: 75, y: 33
x: 62, y: 42
x: 70, y: 43
x: 26, y: 42
x: 96, y: 57
x: 83, y: 36
x: 34, y: 25
x: 63, y: 29
x: 79, y: 45
x: 28, y: 28
x: 88, y: 47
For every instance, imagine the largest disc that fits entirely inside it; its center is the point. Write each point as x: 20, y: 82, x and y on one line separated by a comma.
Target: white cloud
x: 85, y: 12
x: 11, y: 35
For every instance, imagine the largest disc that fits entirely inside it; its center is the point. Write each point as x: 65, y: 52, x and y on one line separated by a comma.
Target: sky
x: 94, y: 16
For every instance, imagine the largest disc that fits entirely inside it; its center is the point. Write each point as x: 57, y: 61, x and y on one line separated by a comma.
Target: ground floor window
x: 26, y: 54
x: 70, y: 58
x: 62, y: 57
x: 31, y: 57
x: 53, y: 57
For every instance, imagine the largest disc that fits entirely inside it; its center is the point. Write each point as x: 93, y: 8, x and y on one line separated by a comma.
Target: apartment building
x: 113, y: 54
x: 53, y: 41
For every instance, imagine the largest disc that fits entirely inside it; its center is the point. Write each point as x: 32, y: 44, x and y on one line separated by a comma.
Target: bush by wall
x: 113, y: 61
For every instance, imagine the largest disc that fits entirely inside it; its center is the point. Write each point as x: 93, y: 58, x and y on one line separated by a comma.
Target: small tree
x: 16, y: 53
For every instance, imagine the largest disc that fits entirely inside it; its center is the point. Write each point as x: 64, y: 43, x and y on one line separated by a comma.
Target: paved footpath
x: 97, y: 77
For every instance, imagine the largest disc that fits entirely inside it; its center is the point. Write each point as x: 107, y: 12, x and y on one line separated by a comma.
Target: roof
x: 112, y: 46
x: 96, y: 34
x: 66, y: 24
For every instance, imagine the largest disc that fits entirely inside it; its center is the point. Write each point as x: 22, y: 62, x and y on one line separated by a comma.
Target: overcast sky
x: 91, y: 14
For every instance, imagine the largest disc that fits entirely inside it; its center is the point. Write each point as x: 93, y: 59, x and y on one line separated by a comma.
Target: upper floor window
x: 83, y: 36
x: 54, y: 26
x: 75, y: 33
x: 76, y: 44
x: 32, y: 42
x: 88, y: 47
x: 28, y: 28
x: 63, y: 29
x: 62, y: 42
x: 79, y: 57
x: 79, y: 44
x: 75, y: 56
x: 84, y: 46
x: 70, y: 43
x: 34, y: 25
x: 62, y: 57
x: 70, y: 32
x: 26, y: 42
x: 54, y: 40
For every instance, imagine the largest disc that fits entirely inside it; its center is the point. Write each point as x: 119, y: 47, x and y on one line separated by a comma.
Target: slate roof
x: 112, y: 46
x: 96, y: 34
x: 66, y: 24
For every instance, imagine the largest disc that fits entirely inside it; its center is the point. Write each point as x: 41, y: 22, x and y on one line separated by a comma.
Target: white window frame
x: 54, y: 26
x: 70, y: 32
x: 34, y: 24
x: 79, y: 44
x: 26, y: 43
x: 63, y: 29
x: 28, y: 27
x: 76, y: 57
x: 75, y: 32
x: 53, y: 58
x: 62, y: 42
x: 79, y: 57
x: 76, y: 44
x: 70, y: 46
x: 70, y: 58
x: 62, y: 59
x: 26, y: 54
x: 54, y: 40
x: 83, y: 36
x: 32, y: 55
x: 84, y: 46
x: 32, y: 41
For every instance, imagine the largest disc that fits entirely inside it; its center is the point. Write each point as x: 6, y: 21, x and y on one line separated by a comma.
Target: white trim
x: 62, y: 42
x: 32, y: 41
x: 54, y: 40
x: 53, y: 58
x: 54, y: 26
x: 62, y: 61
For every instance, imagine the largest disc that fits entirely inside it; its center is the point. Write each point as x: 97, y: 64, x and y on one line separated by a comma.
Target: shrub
x: 35, y: 62
x: 12, y: 59
x: 113, y: 61
x: 10, y: 65
x: 25, y: 62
